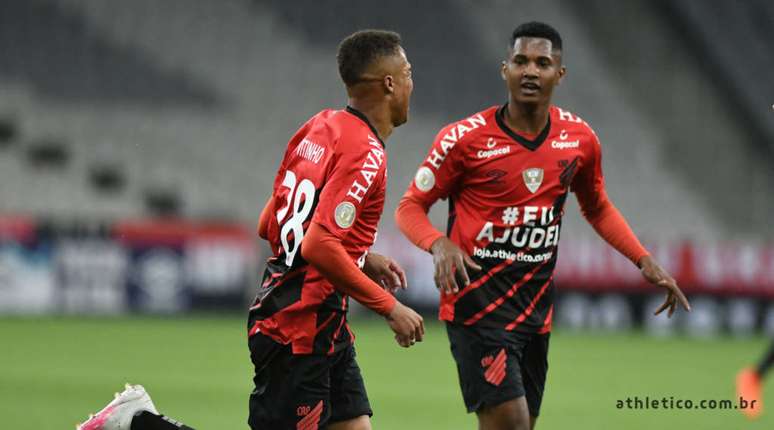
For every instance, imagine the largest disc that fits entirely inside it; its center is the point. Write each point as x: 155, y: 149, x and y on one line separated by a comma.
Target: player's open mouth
x: 529, y: 88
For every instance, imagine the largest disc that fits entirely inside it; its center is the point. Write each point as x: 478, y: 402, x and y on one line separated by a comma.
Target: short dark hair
x: 540, y: 30
x: 360, y: 49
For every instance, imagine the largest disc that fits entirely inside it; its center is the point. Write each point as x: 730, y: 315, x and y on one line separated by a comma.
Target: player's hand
x: 656, y: 275
x: 409, y: 327
x: 450, y: 261
x: 385, y: 272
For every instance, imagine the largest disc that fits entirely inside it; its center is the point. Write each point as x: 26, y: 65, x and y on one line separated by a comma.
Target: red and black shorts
x: 303, y: 392
x: 496, y: 365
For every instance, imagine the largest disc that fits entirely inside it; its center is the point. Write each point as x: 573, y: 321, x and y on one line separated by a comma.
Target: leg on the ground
x: 510, y: 415
x: 501, y: 373
x: 291, y: 391
x: 748, y: 385
x: 350, y: 407
x: 362, y: 422
x: 533, y: 372
x: 766, y: 362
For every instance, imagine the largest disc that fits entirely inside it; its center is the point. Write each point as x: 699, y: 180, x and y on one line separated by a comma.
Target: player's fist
x: 409, y: 327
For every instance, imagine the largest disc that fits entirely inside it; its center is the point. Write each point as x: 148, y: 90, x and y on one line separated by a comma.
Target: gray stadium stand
x: 200, y: 96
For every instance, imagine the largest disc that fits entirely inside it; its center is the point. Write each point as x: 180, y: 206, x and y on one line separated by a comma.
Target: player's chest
x: 501, y: 167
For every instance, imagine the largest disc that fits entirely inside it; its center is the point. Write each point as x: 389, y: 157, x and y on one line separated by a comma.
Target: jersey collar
x: 364, y: 118
x: 529, y: 144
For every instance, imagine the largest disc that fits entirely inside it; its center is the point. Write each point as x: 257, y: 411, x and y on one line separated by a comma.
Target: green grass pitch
x: 54, y: 371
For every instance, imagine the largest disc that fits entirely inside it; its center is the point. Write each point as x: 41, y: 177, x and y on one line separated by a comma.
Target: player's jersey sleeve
x: 599, y: 211
x: 355, y: 171
x: 589, y: 184
x: 440, y: 173
x: 437, y: 177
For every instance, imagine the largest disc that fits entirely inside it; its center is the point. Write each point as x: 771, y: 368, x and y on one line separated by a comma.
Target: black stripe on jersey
x: 475, y: 300
x: 279, y: 289
x: 523, y: 298
x: 331, y: 318
x: 559, y: 203
x: 529, y: 144
x: 565, y: 178
x: 364, y: 118
x: 452, y: 217
x: 498, y: 286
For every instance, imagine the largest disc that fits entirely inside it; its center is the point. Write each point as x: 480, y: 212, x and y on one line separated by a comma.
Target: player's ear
x: 503, y: 67
x: 562, y: 71
x: 389, y: 84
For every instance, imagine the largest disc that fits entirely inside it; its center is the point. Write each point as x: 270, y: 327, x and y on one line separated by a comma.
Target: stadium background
x: 139, y: 140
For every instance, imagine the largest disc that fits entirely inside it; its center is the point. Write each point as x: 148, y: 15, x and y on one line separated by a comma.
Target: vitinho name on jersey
x: 310, y: 151
x: 453, y: 136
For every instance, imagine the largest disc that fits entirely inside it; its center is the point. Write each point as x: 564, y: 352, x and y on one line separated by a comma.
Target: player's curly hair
x: 358, y: 50
x: 540, y: 30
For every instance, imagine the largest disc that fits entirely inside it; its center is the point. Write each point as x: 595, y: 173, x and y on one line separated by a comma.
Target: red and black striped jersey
x: 506, y: 195
x: 333, y: 173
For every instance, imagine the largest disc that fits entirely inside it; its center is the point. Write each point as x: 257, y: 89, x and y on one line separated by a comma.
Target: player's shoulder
x: 467, y: 128
x: 351, y: 130
x: 339, y: 128
x: 320, y: 125
x: 572, y: 122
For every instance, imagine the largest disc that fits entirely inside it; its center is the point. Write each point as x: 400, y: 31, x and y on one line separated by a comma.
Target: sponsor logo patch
x: 425, y: 179
x: 562, y: 143
x: 493, y: 152
x: 533, y: 177
x: 345, y: 214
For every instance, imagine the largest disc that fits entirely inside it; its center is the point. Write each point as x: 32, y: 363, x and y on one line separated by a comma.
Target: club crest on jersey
x: 345, y: 214
x: 533, y: 177
x: 425, y: 179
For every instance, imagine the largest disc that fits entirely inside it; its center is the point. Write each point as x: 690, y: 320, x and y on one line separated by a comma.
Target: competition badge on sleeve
x: 345, y: 214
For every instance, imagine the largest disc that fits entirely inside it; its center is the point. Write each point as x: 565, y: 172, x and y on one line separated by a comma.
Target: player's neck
x: 378, y: 114
x: 526, y: 118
